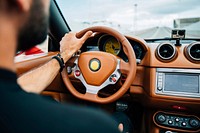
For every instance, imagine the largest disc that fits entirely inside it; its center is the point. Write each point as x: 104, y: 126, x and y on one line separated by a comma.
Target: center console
x: 179, y: 122
x: 178, y: 82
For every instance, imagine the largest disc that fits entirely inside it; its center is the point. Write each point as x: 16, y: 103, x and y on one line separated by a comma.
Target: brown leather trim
x: 142, y: 97
x: 140, y: 75
x: 24, y: 66
x: 139, y: 40
x: 124, y: 67
x: 103, y: 29
x: 137, y: 90
x: 150, y: 59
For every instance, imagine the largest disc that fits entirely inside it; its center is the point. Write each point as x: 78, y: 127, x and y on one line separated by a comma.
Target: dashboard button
x: 160, y: 74
x: 77, y: 73
x: 69, y: 70
x: 177, y: 119
x: 190, y: 123
x: 170, y: 122
x: 159, y: 88
x: 184, y: 124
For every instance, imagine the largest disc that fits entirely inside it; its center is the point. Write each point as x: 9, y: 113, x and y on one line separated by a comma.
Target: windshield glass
x: 149, y: 19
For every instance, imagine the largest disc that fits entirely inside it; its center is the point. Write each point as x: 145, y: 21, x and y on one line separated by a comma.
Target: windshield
x: 149, y: 19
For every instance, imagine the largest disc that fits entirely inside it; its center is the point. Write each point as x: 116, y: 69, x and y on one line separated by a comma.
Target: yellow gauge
x: 112, y: 46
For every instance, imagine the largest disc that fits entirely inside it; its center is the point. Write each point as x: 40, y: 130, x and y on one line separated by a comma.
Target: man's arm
x: 38, y: 79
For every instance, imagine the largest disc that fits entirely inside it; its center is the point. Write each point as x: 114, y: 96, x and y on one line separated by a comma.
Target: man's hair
x: 8, y: 5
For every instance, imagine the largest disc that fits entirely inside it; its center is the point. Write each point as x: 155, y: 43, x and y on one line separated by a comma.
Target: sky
x: 126, y: 15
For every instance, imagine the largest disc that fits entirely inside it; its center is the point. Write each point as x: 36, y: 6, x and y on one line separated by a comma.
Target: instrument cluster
x: 110, y: 44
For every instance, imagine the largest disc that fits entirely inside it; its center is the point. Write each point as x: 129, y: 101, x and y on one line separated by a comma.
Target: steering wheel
x: 96, y: 69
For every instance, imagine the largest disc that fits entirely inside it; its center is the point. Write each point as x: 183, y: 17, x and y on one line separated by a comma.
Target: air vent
x: 193, y: 52
x: 166, y: 51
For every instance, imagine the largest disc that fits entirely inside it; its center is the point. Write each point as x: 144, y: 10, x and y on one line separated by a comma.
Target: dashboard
x: 161, y: 67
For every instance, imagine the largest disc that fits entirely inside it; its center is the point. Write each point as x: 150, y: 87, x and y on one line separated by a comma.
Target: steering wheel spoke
x: 92, y: 89
x: 124, y: 67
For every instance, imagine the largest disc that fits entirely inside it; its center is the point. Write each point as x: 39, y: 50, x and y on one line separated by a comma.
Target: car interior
x: 148, y: 85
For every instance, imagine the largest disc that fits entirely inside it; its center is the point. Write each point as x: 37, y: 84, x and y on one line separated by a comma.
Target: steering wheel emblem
x: 94, y: 65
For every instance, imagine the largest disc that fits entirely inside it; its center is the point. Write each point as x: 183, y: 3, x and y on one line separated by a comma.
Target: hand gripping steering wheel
x: 96, y: 69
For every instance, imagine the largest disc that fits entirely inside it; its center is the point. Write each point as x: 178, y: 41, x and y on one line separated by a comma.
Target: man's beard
x: 35, y: 29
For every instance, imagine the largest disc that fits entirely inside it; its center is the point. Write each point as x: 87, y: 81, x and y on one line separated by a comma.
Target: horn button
x: 95, y: 64
x: 96, y: 67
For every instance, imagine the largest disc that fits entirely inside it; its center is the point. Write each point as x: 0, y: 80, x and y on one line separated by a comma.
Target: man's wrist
x: 60, y: 60
x: 66, y: 55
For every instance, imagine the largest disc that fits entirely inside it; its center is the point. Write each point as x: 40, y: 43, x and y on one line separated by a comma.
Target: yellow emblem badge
x: 94, y: 65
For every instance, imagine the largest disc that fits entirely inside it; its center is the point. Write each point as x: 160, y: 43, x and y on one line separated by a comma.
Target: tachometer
x: 112, y: 46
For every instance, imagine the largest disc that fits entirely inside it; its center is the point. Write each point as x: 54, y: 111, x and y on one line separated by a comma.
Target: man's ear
x: 24, y: 5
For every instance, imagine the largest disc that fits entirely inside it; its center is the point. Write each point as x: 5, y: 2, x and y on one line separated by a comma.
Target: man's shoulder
x: 41, y: 112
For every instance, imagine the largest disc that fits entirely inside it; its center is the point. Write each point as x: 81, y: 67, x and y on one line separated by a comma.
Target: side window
x: 34, y: 52
x: 44, y: 46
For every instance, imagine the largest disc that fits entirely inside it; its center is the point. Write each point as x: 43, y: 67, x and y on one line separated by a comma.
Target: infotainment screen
x: 188, y: 83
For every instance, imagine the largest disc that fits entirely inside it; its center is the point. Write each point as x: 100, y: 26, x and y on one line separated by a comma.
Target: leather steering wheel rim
x: 126, y: 68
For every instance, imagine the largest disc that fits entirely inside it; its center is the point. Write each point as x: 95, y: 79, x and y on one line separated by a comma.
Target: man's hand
x: 70, y: 43
x: 38, y: 79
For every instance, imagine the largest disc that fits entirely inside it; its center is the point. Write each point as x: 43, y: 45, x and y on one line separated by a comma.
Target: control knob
x: 194, y: 123
x: 161, y: 118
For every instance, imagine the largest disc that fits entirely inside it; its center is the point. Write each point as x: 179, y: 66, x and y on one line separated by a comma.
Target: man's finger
x: 86, y: 35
